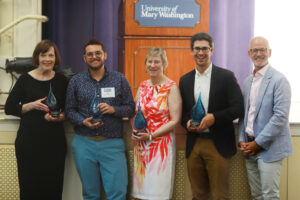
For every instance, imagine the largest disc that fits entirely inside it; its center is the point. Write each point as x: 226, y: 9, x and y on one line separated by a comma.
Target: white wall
x: 278, y: 21
x: 20, y: 40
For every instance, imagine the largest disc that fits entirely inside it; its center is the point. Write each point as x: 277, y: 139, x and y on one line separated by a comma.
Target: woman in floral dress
x: 155, y: 149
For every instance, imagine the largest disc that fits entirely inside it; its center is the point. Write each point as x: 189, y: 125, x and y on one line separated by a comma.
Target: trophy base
x: 95, y: 120
x: 136, y: 133
x: 54, y: 114
x: 195, y: 124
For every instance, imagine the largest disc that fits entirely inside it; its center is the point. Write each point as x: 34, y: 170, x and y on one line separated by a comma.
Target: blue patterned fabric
x: 80, y: 94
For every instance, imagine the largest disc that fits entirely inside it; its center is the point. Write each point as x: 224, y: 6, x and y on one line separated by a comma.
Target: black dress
x: 40, y: 145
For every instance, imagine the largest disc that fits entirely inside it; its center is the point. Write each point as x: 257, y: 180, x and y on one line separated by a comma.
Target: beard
x: 260, y: 64
x: 98, y: 67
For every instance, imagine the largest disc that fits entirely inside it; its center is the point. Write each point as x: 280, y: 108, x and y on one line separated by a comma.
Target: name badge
x: 108, y: 92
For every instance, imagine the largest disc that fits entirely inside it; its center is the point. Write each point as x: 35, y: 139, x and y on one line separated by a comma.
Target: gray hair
x: 155, y: 52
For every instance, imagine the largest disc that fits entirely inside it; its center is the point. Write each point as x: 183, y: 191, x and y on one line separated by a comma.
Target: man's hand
x: 106, y: 108
x: 253, y: 147
x: 243, y: 146
x: 249, y: 148
x: 206, y: 122
x: 88, y: 123
x: 189, y: 128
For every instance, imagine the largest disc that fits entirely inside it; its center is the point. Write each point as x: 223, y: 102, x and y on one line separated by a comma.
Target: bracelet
x: 150, y: 136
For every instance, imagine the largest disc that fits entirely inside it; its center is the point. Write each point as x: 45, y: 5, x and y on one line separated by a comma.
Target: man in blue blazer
x: 264, y: 135
x: 211, y: 144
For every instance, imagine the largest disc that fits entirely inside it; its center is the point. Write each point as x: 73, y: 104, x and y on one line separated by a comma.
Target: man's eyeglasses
x: 203, y: 49
x: 263, y: 50
x: 91, y: 54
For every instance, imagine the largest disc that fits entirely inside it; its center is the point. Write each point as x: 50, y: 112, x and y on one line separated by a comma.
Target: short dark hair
x: 202, y: 36
x: 93, y: 41
x: 42, y: 47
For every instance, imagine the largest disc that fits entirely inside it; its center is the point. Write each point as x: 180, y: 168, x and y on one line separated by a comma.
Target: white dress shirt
x: 202, y: 84
x: 256, y: 83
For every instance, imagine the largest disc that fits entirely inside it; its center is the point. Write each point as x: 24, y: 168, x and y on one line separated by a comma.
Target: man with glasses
x: 264, y: 135
x: 98, y: 147
x: 210, y: 145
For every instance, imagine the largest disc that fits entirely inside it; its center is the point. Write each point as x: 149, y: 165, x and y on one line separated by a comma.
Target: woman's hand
x: 60, y: 118
x: 35, y: 105
x: 140, y: 137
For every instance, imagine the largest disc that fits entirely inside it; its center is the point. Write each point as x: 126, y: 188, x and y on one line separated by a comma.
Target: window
x: 278, y: 21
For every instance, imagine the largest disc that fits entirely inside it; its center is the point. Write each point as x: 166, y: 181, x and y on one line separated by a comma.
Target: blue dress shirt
x: 80, y: 94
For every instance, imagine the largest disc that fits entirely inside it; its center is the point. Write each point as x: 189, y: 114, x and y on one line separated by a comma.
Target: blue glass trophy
x: 94, y: 111
x: 198, y: 112
x: 51, y: 102
x: 140, y: 123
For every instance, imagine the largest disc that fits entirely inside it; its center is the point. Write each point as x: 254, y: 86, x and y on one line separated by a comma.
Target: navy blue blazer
x: 225, y: 103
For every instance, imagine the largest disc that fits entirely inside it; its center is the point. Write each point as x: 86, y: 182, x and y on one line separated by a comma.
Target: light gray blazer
x: 271, y: 121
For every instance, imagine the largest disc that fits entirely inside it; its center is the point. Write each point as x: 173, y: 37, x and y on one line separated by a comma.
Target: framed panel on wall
x: 166, y: 23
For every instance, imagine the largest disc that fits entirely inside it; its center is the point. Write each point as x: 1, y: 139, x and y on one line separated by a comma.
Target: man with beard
x: 211, y: 144
x: 264, y: 135
x: 98, y: 147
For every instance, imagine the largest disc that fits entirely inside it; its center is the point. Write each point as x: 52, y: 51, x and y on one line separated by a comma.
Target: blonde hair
x: 155, y: 52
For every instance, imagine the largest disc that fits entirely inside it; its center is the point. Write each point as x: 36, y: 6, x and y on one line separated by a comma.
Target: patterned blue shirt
x: 80, y: 94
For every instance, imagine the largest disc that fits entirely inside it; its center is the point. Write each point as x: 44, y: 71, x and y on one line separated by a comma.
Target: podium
x: 136, y: 40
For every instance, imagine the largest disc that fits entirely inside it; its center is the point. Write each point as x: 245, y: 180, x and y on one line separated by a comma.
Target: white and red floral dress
x: 154, y: 161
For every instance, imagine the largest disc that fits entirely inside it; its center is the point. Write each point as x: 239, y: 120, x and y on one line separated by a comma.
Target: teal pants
x: 100, y: 162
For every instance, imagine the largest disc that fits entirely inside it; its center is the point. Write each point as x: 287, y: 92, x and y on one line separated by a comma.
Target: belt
x: 204, y: 135
x: 96, y: 138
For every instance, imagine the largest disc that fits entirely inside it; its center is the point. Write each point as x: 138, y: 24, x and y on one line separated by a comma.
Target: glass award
x: 51, y: 102
x: 198, y: 112
x: 140, y: 123
x: 94, y: 111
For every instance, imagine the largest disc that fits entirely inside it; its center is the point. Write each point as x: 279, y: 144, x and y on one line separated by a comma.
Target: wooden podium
x: 137, y: 40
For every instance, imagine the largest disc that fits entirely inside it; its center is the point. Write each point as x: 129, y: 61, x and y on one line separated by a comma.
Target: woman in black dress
x: 40, y: 144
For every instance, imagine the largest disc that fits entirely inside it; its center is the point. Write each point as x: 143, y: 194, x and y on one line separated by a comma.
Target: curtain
x: 72, y: 23
x: 231, y: 24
